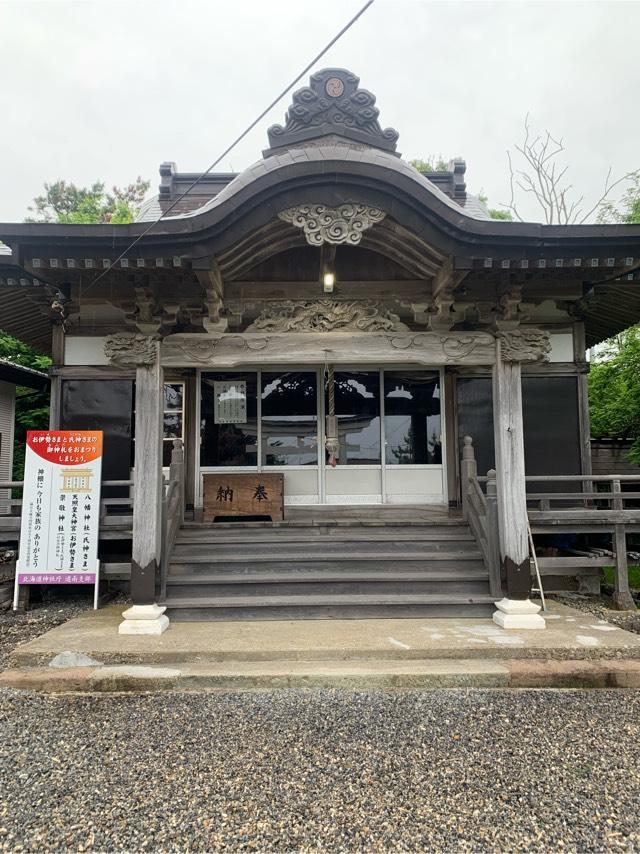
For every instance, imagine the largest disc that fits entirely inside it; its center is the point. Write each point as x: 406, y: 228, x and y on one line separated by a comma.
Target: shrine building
x: 322, y: 381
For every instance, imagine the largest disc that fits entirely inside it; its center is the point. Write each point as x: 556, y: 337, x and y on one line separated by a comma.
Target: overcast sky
x: 108, y: 89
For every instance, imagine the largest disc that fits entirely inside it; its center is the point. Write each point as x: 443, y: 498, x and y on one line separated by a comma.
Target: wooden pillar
x: 148, y: 482
x: 55, y: 393
x: 510, y: 474
x: 451, y: 443
x: 622, y: 598
x: 191, y: 439
x: 580, y: 360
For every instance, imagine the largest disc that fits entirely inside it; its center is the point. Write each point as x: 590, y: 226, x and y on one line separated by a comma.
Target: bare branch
x: 608, y: 189
x: 544, y: 177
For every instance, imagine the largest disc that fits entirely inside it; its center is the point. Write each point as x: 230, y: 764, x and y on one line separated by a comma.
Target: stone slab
x: 569, y: 634
x: 346, y: 675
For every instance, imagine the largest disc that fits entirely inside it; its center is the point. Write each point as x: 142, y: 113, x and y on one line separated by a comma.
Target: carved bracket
x: 322, y: 224
x: 510, y: 311
x: 213, y: 298
x: 524, y: 345
x: 128, y: 349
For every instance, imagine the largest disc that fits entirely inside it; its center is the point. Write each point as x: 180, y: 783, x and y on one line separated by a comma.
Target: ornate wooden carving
x: 332, y: 103
x: 524, y: 345
x: 322, y: 224
x: 130, y: 348
x: 327, y: 315
x: 423, y: 348
x: 453, y: 347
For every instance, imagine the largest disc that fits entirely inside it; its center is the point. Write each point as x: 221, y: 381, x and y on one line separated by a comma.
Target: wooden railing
x: 172, y: 510
x: 481, y: 513
x: 598, y: 504
x: 116, y: 520
x: 113, y: 510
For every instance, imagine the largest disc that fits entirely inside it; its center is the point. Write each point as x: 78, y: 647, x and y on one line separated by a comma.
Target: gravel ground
x: 55, y: 607
x: 600, y: 606
x: 321, y: 771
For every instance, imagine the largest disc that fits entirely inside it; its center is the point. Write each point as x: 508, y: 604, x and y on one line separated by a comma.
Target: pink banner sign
x: 60, y: 508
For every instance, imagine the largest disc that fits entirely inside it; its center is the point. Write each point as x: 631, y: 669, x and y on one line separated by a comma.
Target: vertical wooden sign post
x: 60, y: 509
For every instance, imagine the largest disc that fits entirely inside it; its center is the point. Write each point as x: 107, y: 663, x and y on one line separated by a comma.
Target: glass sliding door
x: 412, y: 407
x: 412, y: 418
x: 388, y: 424
x: 228, y: 420
x: 289, y: 431
x: 357, y: 476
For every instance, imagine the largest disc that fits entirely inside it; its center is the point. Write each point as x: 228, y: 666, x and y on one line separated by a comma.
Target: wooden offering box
x: 249, y: 494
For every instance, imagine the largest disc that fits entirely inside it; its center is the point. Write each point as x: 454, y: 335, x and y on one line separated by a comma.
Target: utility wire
x: 238, y: 139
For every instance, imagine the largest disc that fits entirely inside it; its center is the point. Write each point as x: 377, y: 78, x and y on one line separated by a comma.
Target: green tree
x: 614, y: 390
x: 629, y: 210
x: 433, y: 163
x: 32, y: 407
x: 494, y: 213
x: 62, y: 201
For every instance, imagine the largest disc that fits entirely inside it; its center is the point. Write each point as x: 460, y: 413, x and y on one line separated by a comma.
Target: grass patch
x: 634, y: 575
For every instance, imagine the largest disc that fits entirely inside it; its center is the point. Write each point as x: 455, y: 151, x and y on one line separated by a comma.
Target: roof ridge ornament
x: 332, y: 104
x: 324, y: 224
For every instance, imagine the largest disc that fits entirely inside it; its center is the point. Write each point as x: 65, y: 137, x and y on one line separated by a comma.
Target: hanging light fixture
x: 328, y: 268
x: 328, y: 281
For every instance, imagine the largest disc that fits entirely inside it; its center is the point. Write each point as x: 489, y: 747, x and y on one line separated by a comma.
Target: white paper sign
x: 230, y: 402
x: 60, y: 508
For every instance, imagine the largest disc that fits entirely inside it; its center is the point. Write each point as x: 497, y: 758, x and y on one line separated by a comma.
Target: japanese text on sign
x: 230, y: 402
x: 60, y: 508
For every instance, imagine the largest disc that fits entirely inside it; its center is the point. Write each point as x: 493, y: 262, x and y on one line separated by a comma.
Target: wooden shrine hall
x: 328, y: 384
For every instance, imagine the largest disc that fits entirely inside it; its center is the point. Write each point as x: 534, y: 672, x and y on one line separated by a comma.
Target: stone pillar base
x: 144, y: 620
x: 518, y: 614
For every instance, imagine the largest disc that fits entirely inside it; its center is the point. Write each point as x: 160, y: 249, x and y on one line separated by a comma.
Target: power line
x: 238, y: 139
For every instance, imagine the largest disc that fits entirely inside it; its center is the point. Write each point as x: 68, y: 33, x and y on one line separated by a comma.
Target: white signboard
x: 230, y: 402
x: 60, y: 509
